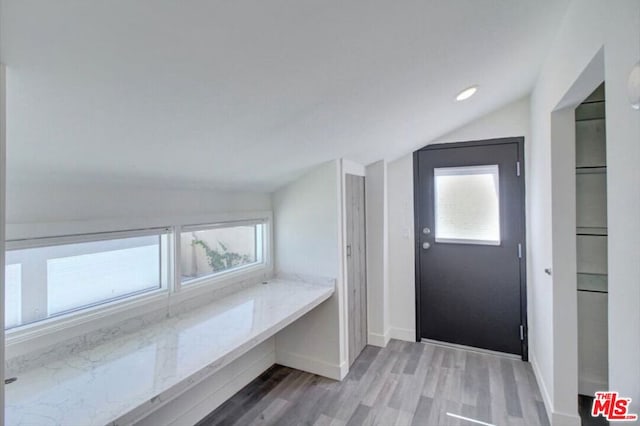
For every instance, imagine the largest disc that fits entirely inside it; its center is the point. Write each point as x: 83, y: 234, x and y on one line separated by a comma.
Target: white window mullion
x: 260, y: 247
x: 177, y: 255
x: 34, y: 289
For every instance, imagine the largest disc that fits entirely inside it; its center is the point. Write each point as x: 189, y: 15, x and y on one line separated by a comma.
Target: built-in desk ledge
x: 138, y: 371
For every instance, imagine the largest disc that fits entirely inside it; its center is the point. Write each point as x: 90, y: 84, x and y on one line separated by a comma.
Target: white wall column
x: 563, y: 225
x: 589, y: 26
x: 623, y: 177
x: 377, y: 254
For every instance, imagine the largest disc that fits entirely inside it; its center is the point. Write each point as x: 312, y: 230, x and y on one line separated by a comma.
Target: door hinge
x: 517, y: 168
x: 519, y: 251
x: 522, y: 332
x: 349, y: 250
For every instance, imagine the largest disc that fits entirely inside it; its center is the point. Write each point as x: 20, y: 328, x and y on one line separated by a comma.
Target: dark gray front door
x: 470, y: 244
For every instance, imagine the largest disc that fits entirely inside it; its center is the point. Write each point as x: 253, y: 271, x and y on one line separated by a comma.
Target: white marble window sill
x: 137, y: 371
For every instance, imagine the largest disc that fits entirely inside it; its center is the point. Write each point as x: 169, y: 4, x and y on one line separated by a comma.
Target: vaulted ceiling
x: 249, y: 93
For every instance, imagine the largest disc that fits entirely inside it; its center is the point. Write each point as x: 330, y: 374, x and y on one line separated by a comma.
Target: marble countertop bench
x: 139, y: 371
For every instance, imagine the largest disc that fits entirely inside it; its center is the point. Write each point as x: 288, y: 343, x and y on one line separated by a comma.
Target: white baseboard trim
x: 312, y: 365
x: 406, y: 334
x: 344, y: 369
x: 555, y: 418
x: 546, y: 399
x: 380, y: 340
x: 193, y: 405
x: 563, y: 419
x: 590, y: 387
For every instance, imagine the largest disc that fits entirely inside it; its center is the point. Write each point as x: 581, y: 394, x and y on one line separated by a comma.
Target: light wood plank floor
x: 402, y: 384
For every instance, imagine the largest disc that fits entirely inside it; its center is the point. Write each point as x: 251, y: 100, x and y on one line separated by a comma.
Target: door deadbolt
x: 426, y: 231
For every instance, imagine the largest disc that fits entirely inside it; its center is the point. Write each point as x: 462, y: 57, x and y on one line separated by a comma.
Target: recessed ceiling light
x: 467, y: 93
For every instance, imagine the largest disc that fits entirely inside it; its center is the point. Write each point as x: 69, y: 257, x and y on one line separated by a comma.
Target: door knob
x: 426, y: 246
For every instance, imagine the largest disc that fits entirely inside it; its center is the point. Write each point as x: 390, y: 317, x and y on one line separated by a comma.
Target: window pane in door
x: 467, y: 205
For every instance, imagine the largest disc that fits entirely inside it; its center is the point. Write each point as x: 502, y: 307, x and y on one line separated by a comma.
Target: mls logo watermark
x: 612, y: 407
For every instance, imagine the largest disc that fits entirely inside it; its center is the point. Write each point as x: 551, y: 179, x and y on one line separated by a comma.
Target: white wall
x: 589, y: 26
x: 39, y: 209
x: 377, y: 254
x: 402, y: 308
x: 622, y: 49
x: 511, y: 120
x: 50, y: 202
x: 306, y: 223
x: 308, y: 241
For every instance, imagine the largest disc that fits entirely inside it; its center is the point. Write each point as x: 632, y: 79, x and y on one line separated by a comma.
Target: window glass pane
x: 13, y: 295
x: 62, y: 278
x: 467, y: 205
x: 212, y: 251
x: 101, y: 271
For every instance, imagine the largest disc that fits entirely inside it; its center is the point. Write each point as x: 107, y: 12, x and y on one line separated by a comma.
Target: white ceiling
x: 250, y: 93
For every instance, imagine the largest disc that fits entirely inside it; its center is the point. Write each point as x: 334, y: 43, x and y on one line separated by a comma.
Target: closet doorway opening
x: 591, y: 249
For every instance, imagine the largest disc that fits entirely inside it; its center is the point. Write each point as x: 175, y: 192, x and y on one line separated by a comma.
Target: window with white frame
x: 63, y: 278
x: 207, y: 251
x: 50, y: 277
